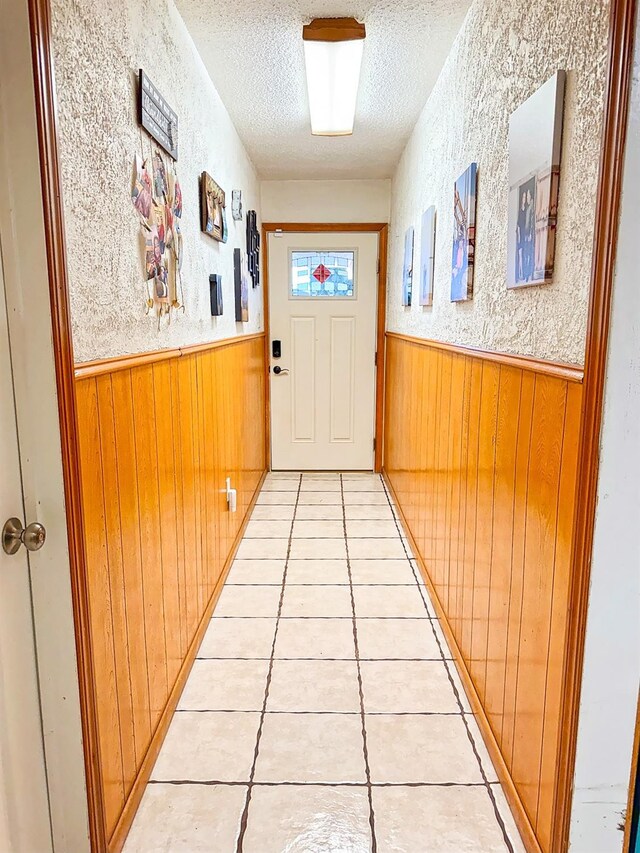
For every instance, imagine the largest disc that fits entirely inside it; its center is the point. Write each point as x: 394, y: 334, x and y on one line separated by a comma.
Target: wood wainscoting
x: 158, y: 435
x: 481, y: 454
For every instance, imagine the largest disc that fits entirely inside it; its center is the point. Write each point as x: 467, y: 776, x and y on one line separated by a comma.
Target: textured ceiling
x: 253, y: 52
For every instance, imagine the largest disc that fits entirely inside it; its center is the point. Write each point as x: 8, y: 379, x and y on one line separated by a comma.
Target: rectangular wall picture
x: 464, y: 234
x: 212, y: 204
x: 427, y: 255
x: 407, y: 268
x: 241, y: 288
x: 215, y: 292
x: 535, y: 145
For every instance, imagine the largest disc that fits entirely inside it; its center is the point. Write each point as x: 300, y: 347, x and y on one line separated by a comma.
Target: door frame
x: 382, y: 230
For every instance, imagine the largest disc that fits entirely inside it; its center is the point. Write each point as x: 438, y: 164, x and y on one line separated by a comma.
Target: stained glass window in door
x: 322, y: 274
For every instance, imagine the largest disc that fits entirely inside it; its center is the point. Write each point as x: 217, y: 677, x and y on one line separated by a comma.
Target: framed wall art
x: 212, y: 204
x: 464, y: 234
x: 535, y: 146
x: 427, y: 255
x: 215, y: 293
x: 253, y: 247
x: 241, y: 286
x: 407, y: 268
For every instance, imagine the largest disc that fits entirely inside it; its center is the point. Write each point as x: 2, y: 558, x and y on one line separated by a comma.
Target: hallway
x: 323, y: 711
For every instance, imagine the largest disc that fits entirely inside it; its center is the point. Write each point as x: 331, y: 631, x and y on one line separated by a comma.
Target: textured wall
x: 503, y: 53
x: 98, y: 51
x: 325, y: 201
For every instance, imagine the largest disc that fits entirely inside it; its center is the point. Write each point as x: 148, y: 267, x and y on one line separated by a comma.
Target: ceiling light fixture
x: 333, y: 55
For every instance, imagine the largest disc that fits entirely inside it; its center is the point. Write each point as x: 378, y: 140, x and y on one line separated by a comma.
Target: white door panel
x: 323, y: 400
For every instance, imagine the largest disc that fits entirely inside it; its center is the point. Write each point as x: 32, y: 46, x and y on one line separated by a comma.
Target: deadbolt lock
x: 14, y: 535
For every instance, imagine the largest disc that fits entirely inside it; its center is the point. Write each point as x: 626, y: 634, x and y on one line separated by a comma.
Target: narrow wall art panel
x: 464, y: 234
x: 427, y: 255
x: 241, y: 288
x: 407, y: 268
x: 535, y: 145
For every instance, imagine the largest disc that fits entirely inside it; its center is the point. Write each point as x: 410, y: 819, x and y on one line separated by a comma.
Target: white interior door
x: 322, y: 309
x: 24, y: 809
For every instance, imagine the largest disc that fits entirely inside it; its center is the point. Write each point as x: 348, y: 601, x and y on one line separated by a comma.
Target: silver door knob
x: 14, y: 535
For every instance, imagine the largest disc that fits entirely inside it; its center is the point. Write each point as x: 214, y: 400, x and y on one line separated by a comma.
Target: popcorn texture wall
x: 98, y: 51
x: 502, y: 54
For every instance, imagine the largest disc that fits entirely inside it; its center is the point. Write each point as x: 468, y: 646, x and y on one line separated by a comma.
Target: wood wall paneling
x: 482, y: 458
x: 157, y: 439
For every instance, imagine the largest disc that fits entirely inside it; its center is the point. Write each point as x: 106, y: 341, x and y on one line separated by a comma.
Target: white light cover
x: 333, y: 73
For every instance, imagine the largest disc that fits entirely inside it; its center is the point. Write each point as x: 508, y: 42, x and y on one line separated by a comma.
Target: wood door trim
x: 620, y: 64
x: 382, y: 229
x: 86, y: 369
x: 119, y: 834
x: 45, y: 104
x: 570, y: 372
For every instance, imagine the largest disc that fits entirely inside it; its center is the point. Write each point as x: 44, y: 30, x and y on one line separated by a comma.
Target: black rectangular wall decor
x: 156, y: 116
x: 215, y: 292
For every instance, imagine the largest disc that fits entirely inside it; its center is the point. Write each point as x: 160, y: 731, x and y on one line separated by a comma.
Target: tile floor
x: 324, y: 712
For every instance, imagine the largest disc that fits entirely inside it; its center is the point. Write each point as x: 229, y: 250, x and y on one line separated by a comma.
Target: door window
x: 322, y: 274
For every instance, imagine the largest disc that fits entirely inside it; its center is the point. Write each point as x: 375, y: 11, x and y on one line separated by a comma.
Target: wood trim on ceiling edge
x: 86, y: 369
x: 119, y: 834
x: 311, y: 227
x: 569, y: 372
x: 515, y: 803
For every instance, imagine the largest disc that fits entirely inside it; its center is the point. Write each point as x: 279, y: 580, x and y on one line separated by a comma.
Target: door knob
x: 278, y: 370
x: 14, y: 535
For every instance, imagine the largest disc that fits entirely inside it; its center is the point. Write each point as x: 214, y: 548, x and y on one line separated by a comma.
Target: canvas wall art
x: 464, y: 234
x: 212, y: 204
x: 427, y: 255
x: 241, y: 286
x: 535, y: 145
x: 407, y: 268
x: 215, y: 294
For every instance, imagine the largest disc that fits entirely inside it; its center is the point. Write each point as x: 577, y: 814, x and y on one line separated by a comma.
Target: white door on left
x: 24, y: 810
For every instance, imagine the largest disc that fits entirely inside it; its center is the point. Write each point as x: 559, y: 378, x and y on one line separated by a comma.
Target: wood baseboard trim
x: 86, y: 369
x: 515, y: 804
x: 119, y: 835
x: 570, y: 372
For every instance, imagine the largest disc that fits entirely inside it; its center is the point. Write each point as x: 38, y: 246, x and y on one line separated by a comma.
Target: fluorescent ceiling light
x: 333, y: 55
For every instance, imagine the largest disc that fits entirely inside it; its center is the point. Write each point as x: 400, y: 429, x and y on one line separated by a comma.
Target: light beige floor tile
x: 379, y: 529
x: 267, y: 530
x: 363, y: 498
x: 427, y: 748
x: 320, y: 475
x: 372, y: 549
x: 362, y: 485
x: 367, y: 512
x: 248, y: 601
x: 316, y: 497
x: 262, y: 512
x: 388, y: 601
x: 225, y: 685
x: 276, y: 498
x: 507, y: 817
x: 256, y: 572
x: 208, y: 747
x: 283, y: 475
x: 396, y: 638
x: 481, y: 749
x: 311, y: 512
x: 317, y: 601
x: 328, y: 485
x: 394, y: 687
x: 311, y: 748
x: 300, y: 819
x: 315, y: 685
x: 303, y: 529
x: 315, y: 638
x: 281, y: 485
x: 317, y: 571
x: 381, y: 572
x: 361, y: 477
x: 437, y: 820
x: 238, y: 638
x: 262, y: 549
x: 317, y: 549
x: 187, y: 819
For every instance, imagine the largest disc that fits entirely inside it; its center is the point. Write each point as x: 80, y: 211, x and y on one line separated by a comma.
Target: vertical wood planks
x: 484, y: 470
x: 156, y: 443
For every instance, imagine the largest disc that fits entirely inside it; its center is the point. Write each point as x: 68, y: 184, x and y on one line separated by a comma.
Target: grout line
x: 315, y: 784
x: 245, y: 811
x: 368, y: 660
x: 324, y: 713
x: 485, y: 781
x: 372, y: 824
